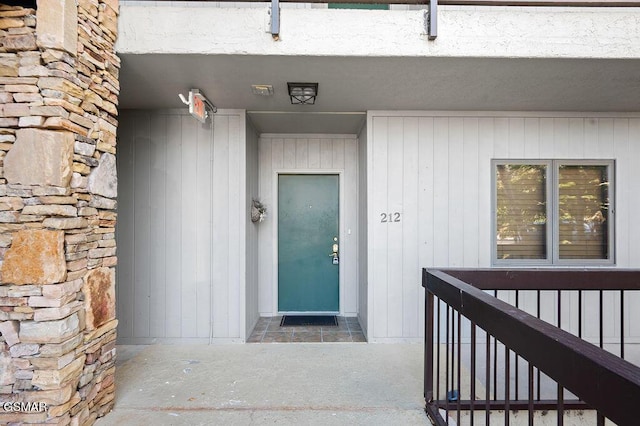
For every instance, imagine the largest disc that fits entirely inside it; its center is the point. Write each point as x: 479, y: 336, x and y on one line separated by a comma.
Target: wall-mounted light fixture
x: 303, y: 93
x: 198, y: 105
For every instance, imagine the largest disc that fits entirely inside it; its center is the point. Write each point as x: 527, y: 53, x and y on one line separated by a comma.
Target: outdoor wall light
x: 303, y: 93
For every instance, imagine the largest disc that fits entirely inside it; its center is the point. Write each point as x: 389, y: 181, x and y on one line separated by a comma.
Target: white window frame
x: 553, y: 226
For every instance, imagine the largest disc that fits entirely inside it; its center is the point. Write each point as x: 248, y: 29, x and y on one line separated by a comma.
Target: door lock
x: 334, y: 251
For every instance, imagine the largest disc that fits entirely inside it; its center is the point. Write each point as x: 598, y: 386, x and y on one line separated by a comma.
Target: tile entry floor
x: 268, y: 330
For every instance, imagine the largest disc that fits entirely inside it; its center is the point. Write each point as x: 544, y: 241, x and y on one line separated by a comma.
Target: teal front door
x: 308, y: 273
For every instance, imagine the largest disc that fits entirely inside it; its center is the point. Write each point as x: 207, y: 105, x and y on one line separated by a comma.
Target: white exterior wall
x: 435, y: 169
x: 193, y: 266
x: 309, y: 154
x: 181, y: 227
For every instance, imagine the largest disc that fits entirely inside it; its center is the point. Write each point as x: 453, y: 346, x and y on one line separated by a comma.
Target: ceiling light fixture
x: 303, y: 93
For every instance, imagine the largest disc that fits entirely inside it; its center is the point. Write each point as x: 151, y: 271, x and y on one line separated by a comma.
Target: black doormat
x: 309, y: 320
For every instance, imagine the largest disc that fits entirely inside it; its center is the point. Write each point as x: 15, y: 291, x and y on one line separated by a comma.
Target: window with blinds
x: 521, y: 211
x: 583, y: 209
x: 552, y: 212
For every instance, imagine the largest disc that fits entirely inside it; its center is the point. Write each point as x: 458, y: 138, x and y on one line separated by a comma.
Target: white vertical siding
x: 158, y: 219
x: 172, y: 284
x: 441, y: 192
x: 182, y: 225
x: 470, y: 193
x: 434, y: 168
x: 363, y: 282
x: 624, y: 188
x: 235, y: 180
x: 188, y: 206
x: 376, y: 196
x: 221, y: 217
x: 395, y: 198
x: 410, y: 246
x: 141, y: 276
x: 251, y: 294
x: 202, y: 227
x: 125, y: 270
x: 308, y: 154
x: 633, y: 242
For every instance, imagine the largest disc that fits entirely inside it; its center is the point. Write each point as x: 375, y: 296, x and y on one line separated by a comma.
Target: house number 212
x: 390, y: 217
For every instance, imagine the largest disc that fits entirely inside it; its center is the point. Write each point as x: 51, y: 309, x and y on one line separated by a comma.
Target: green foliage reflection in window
x: 583, y: 204
x: 521, y: 211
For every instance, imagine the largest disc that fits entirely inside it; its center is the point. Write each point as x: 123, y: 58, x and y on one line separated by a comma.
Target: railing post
x: 431, y: 407
x: 428, y: 341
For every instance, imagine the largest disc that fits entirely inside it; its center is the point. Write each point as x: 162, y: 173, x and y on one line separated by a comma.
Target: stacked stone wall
x: 58, y: 187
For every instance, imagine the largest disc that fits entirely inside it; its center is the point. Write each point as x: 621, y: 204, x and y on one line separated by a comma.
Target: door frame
x: 341, y: 231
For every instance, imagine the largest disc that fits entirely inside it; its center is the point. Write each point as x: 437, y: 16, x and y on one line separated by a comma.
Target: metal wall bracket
x: 432, y: 20
x: 275, y: 19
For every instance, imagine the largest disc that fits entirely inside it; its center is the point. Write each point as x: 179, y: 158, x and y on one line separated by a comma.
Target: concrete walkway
x: 301, y: 384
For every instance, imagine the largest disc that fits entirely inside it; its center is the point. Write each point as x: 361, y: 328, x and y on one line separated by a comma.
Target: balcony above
x: 484, y: 58
x: 463, y: 31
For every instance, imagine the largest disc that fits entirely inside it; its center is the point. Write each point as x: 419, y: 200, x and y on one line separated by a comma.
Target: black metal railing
x: 485, y: 357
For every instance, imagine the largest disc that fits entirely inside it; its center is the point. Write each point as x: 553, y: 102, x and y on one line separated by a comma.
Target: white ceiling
x: 354, y: 85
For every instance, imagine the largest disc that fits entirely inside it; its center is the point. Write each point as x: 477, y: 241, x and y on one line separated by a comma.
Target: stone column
x: 58, y: 188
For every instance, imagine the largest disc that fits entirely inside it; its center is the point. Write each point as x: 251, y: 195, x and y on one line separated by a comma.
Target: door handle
x: 334, y: 251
